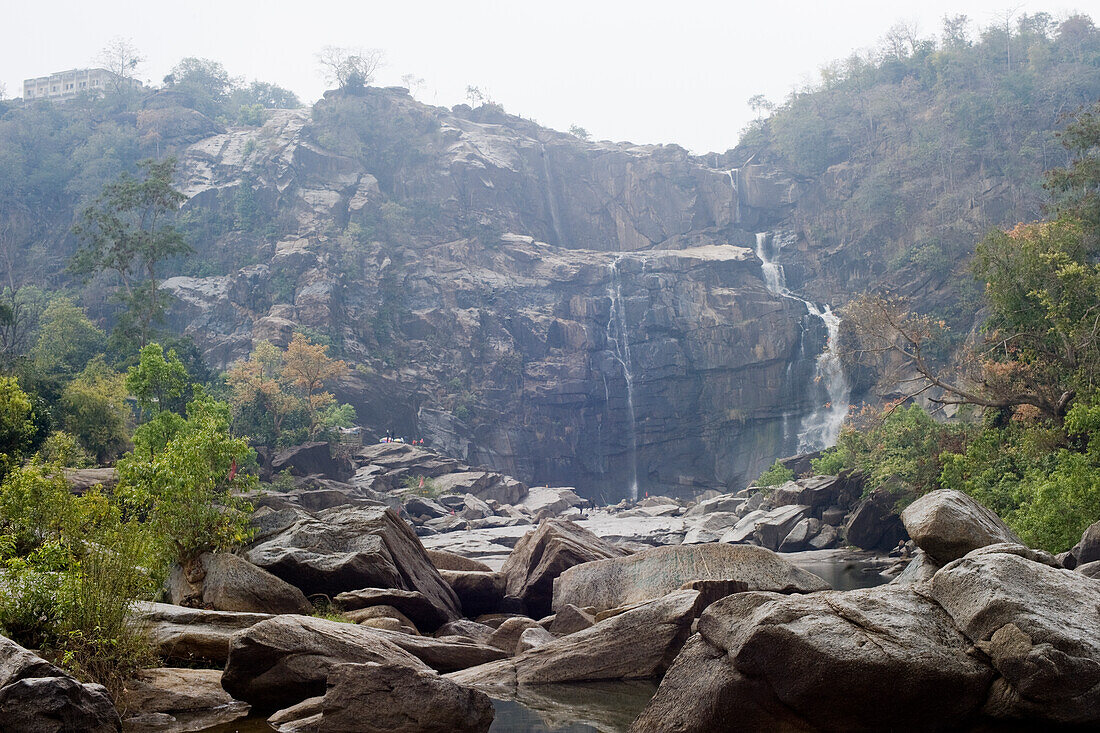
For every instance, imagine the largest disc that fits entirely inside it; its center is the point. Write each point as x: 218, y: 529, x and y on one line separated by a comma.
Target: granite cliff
x: 566, y: 311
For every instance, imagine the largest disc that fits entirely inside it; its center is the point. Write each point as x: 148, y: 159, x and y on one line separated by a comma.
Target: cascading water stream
x: 616, y: 323
x: 821, y: 427
x: 551, y: 200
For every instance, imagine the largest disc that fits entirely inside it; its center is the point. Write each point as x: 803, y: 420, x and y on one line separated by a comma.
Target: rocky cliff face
x: 569, y: 312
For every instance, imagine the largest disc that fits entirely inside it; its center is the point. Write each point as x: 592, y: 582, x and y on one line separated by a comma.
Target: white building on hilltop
x: 68, y: 84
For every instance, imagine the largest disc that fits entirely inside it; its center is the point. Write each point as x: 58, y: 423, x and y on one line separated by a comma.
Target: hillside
x: 571, y: 312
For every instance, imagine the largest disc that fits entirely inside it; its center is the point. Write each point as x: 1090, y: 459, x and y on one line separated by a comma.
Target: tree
x: 67, y: 340
x: 307, y: 367
x: 94, y: 409
x: 349, y: 68
x: 188, y: 490
x: 159, y: 381
x: 413, y: 83
x: 121, y: 58
x: 205, y: 83
x: 578, y: 131
x: 759, y: 104
x: 127, y: 230
x: 268, y: 96
x: 17, y: 425
x: 258, y: 397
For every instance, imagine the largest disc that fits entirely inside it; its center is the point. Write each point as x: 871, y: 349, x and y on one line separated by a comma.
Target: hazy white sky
x: 649, y: 72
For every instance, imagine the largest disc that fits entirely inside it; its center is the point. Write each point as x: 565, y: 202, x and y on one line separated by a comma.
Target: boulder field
x: 341, y: 607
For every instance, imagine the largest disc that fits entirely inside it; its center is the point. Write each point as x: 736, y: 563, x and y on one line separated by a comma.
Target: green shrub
x: 423, y: 486
x: 777, y: 475
x: 63, y: 449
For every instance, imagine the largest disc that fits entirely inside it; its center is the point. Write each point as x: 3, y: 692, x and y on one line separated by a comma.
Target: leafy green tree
x: 188, y: 488
x: 267, y: 96
x: 127, y: 230
x: 94, y: 409
x: 67, y: 340
x: 17, y: 424
x: 204, y: 83
x: 159, y: 381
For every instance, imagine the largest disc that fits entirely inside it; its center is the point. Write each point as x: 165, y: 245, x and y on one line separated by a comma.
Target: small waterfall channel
x: 821, y: 427
x: 617, y: 333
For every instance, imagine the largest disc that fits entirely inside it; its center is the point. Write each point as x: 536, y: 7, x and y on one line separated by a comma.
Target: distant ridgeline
x: 569, y: 311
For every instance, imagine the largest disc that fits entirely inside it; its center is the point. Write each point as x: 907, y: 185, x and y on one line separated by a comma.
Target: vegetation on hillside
x: 1035, y: 456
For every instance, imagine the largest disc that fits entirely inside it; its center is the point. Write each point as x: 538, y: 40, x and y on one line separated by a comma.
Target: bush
x: 187, y: 489
x: 422, y: 486
x: 72, y: 570
x: 777, y: 475
x: 63, y: 449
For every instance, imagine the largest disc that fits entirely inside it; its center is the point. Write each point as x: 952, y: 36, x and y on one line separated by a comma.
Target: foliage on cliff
x: 913, y: 151
x: 1034, y: 370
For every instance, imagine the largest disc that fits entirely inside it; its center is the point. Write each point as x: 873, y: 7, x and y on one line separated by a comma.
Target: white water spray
x: 617, y: 322
x: 821, y: 427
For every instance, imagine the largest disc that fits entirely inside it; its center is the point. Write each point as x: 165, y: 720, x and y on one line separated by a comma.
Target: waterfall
x: 821, y: 427
x: 733, y: 174
x: 551, y: 200
x: 616, y: 323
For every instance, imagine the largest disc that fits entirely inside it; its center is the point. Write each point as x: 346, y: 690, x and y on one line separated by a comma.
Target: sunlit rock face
x: 575, y: 313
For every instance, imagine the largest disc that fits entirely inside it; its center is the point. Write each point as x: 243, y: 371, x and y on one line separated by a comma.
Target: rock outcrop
x: 349, y: 548
x: 543, y: 555
x: 947, y: 524
x: 287, y: 659
x: 225, y: 582
x: 654, y: 573
x: 827, y: 661
x: 535, y: 240
x: 390, y: 698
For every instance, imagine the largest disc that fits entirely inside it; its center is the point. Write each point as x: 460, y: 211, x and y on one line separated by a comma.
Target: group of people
x: 391, y: 438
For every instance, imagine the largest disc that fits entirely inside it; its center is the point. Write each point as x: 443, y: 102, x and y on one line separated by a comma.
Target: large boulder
x: 478, y: 592
x: 226, y: 582
x: 654, y: 573
x: 56, y: 705
x: 399, y: 700
x: 311, y: 459
x: 348, y: 548
x: 874, y: 525
x: 1038, y: 623
x: 17, y: 663
x: 544, y: 554
x: 947, y: 524
x: 550, y: 502
x: 445, y: 653
x: 639, y: 643
x: 1088, y: 549
x: 37, y: 696
x: 287, y: 659
x: 816, y: 492
x: 170, y: 698
x: 422, y: 612
x: 866, y: 660
x: 191, y: 635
